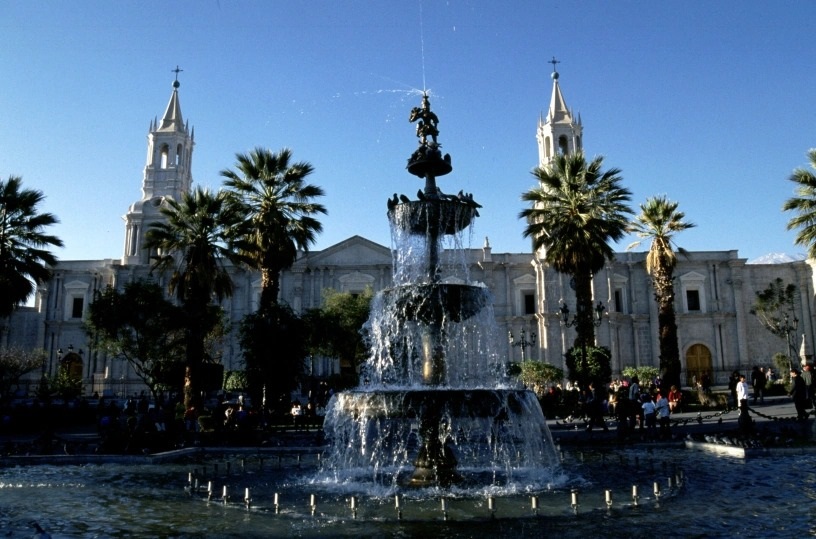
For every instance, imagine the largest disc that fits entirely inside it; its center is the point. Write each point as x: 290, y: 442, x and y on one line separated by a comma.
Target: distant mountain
x: 777, y: 258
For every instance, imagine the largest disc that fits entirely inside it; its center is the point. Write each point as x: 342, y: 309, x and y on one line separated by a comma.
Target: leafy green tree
x: 775, y: 309
x: 804, y: 205
x: 537, y: 375
x: 236, y: 381
x: 273, y: 341
x: 142, y: 327
x: 335, y: 329
x: 783, y: 366
x: 659, y: 221
x: 199, y: 235
x: 576, y: 211
x: 14, y: 364
x: 25, y: 260
x: 281, y: 211
x: 589, y: 364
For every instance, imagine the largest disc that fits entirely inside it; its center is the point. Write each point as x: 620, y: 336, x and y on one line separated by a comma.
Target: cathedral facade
x: 715, y: 291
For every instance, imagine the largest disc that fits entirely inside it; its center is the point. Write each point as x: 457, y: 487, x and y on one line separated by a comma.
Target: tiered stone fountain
x: 436, y: 408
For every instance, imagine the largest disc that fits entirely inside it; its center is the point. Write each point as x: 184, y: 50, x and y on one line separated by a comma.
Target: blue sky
x: 709, y: 103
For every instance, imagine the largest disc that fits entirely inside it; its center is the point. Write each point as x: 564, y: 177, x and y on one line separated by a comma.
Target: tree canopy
x: 200, y: 234
x: 25, y: 258
x: 143, y: 328
x: 335, y: 329
x: 804, y: 206
x: 14, y: 364
x: 537, y: 375
x: 280, y: 207
x: 775, y: 309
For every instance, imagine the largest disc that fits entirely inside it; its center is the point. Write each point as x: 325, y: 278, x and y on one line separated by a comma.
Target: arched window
x: 178, y: 154
x: 547, y: 147
x: 165, y: 155
x: 563, y: 145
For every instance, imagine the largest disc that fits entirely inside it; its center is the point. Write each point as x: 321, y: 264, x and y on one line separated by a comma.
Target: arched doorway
x: 698, y: 363
x: 68, y: 383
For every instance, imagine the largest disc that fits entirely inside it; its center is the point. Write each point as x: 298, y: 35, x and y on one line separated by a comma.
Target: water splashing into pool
x: 436, y: 409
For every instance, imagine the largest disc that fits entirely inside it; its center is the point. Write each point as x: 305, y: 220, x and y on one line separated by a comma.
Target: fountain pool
x: 716, y: 497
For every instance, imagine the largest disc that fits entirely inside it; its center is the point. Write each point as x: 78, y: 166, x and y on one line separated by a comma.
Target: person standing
x: 807, y: 377
x: 634, y: 389
x: 799, y: 394
x: 742, y: 390
x: 662, y: 410
x: 595, y: 407
x: 649, y: 418
x: 634, y: 398
x: 758, y: 382
x: 733, y: 380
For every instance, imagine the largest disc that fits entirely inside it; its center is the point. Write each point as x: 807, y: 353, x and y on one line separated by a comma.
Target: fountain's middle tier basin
x: 435, y: 302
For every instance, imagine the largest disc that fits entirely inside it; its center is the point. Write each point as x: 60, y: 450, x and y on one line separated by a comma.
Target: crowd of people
x: 646, y: 407
x: 634, y: 406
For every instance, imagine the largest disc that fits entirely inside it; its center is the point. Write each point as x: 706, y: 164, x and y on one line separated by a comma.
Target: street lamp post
x: 597, y: 312
x: 522, y: 343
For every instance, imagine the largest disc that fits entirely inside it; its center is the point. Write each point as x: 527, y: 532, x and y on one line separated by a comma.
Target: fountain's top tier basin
x: 428, y: 161
x: 435, y: 216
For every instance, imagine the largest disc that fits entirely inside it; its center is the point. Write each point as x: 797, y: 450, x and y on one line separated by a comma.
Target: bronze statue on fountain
x: 427, y: 159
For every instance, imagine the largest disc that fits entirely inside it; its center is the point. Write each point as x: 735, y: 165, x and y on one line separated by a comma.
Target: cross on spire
x: 553, y: 62
x: 177, y: 71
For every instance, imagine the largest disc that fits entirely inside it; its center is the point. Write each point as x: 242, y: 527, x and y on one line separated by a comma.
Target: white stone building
x: 715, y: 290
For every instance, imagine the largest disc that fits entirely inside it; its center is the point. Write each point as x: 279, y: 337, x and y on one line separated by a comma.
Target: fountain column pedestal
x: 435, y: 464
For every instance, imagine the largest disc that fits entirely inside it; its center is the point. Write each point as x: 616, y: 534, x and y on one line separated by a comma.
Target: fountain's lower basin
x: 437, y: 435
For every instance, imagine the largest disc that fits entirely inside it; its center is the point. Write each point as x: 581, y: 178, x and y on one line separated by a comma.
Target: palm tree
x: 577, y: 209
x: 281, y: 208
x: 193, y: 245
x: 24, y: 255
x: 804, y: 203
x: 659, y: 220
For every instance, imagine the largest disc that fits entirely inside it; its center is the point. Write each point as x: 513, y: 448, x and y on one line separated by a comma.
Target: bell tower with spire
x: 559, y: 132
x: 167, y: 175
